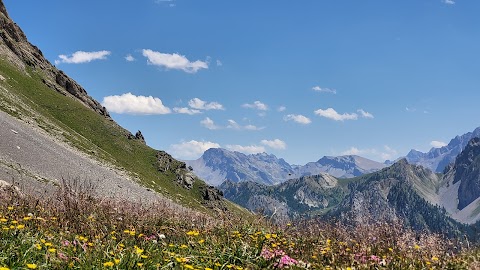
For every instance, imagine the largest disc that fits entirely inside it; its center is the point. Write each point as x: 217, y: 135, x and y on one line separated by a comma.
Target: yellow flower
x: 144, y: 256
x: 139, y: 264
x: 181, y: 260
x: 10, y: 208
x: 117, y: 261
x: 206, y: 268
x: 193, y: 233
x: 3, y: 220
x: 48, y: 244
x: 38, y: 246
x: 27, y: 218
x: 31, y: 266
x: 21, y: 226
x: 434, y: 258
x: 417, y: 247
x: 201, y: 241
x: 218, y: 264
x: 188, y: 266
x: 108, y: 264
x: 138, y: 250
x: 268, y: 236
x: 52, y: 250
x: 4, y: 268
x: 183, y: 246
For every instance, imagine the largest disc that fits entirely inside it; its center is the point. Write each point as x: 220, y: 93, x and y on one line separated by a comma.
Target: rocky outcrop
x: 467, y: 172
x: 138, y: 136
x: 21, y: 53
x: 167, y: 164
x: 212, y: 198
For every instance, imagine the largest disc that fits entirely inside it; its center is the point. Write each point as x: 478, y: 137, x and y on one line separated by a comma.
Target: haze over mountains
x: 217, y: 165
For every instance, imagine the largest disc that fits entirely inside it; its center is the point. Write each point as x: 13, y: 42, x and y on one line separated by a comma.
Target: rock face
x: 167, y: 164
x: 438, y: 158
x: 217, y: 165
x: 15, y: 46
x: 467, y: 172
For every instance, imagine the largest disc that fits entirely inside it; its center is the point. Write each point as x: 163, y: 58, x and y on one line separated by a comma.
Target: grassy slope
x: 88, y: 131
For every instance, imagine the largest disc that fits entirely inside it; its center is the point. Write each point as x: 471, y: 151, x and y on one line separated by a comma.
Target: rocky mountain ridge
x: 438, y: 158
x: 217, y: 165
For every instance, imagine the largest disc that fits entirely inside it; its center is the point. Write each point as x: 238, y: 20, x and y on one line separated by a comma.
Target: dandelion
x: 31, y: 266
x: 193, y: 233
x: 52, y: 250
x: 20, y: 226
x: 138, y: 250
x: 4, y: 268
x: 108, y: 264
x: 117, y: 261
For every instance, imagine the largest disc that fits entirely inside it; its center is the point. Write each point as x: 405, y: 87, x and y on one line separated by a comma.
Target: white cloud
x: 80, y: 57
x: 330, y: 113
x: 208, y: 123
x: 219, y: 63
x: 449, y: 2
x: 275, y: 144
x: 199, y: 104
x: 173, y: 61
x: 365, y: 114
x: 249, y: 149
x: 232, y: 124
x: 410, y: 109
x: 387, y: 153
x: 131, y: 104
x: 437, y: 144
x: 324, y: 90
x: 281, y: 108
x: 297, y: 118
x: 191, y: 150
x: 129, y: 58
x: 256, y: 105
x: 184, y: 110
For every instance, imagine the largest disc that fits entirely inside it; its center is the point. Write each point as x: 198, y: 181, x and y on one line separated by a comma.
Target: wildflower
x: 20, y: 226
x: 66, y: 243
x: 161, y: 236
x: 38, y: 246
x: 139, y: 264
x: 193, y: 233
x: 108, y: 264
x: 27, y: 218
x: 31, y: 266
x: 52, y: 250
x: 3, y: 220
x: 62, y: 256
x: 117, y: 261
x: 435, y: 258
x: 268, y: 236
x: 201, y: 241
x: 4, y: 268
x: 10, y: 208
x: 206, y: 268
x: 138, y: 250
x: 188, y: 266
x: 48, y: 244
x: 184, y: 246
x: 144, y: 256
x: 417, y: 247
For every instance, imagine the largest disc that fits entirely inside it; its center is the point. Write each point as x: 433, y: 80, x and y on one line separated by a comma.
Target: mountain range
x: 217, y: 165
x: 438, y: 158
x: 420, y: 198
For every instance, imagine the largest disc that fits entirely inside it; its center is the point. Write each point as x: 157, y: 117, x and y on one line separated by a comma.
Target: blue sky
x: 298, y: 79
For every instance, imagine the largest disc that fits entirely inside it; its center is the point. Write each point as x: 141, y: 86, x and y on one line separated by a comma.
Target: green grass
x: 88, y: 131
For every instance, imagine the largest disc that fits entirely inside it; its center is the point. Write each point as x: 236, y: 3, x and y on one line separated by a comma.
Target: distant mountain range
x: 422, y: 199
x: 438, y: 158
x: 217, y: 165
